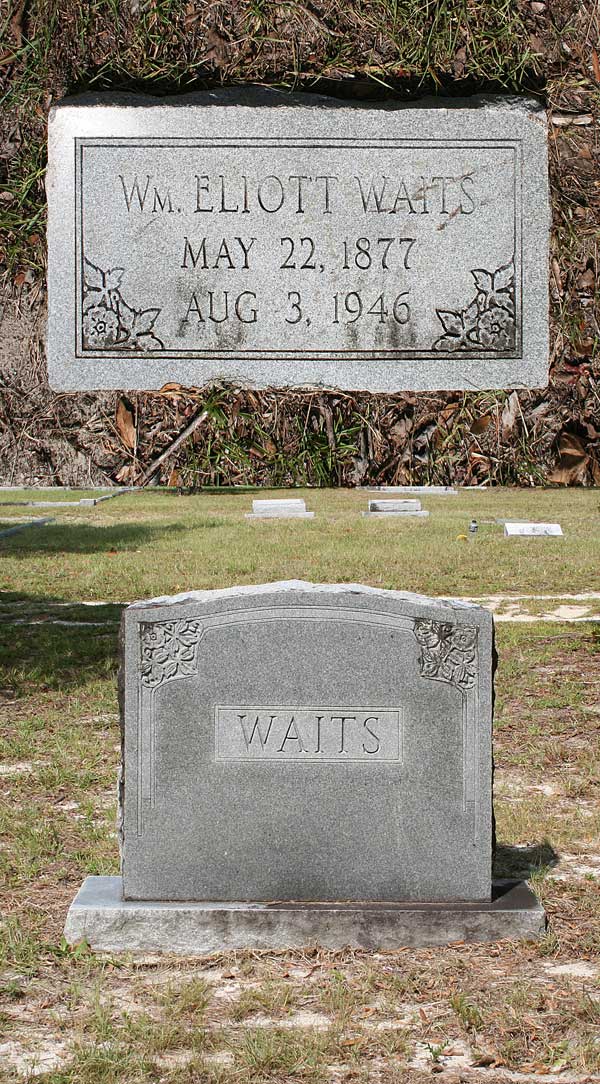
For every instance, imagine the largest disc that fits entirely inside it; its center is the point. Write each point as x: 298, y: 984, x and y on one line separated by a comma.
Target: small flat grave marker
x: 532, y: 530
x: 306, y: 744
x: 272, y: 239
x: 390, y: 508
x: 428, y: 491
x: 279, y: 508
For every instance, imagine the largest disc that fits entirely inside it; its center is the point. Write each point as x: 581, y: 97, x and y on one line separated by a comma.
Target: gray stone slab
x: 83, y: 502
x: 394, y: 506
x: 532, y: 530
x: 272, y: 239
x: 23, y: 526
x: 279, y: 504
x: 100, y: 916
x: 306, y: 742
x: 407, y: 514
x: 428, y: 491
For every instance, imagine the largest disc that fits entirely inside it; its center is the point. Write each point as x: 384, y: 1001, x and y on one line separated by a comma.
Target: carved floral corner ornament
x: 447, y: 652
x: 168, y: 650
x: 488, y: 321
x: 108, y: 322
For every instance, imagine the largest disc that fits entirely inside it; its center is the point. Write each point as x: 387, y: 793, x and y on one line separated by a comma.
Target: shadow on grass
x: 355, y: 85
x: 85, y: 538
x: 523, y: 862
x: 50, y: 645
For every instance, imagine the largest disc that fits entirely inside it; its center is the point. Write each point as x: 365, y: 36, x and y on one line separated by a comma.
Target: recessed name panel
x: 297, y: 734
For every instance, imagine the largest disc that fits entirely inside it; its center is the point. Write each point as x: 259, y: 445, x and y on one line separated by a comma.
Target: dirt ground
x: 50, y: 48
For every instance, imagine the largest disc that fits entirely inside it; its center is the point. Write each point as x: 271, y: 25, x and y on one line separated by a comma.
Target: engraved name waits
x: 276, y: 733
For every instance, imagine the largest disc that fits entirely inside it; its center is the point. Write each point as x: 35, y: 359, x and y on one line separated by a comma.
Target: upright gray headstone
x: 273, y: 239
x: 329, y: 746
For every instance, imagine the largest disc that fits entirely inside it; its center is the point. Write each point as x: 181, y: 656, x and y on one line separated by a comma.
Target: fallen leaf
x: 587, y: 280
x: 538, y: 7
x: 459, y: 62
x: 125, y: 424
x: 400, y: 430
x: 217, y: 49
x: 561, y: 120
x: 16, y: 24
x: 191, y: 16
x: 557, y: 275
x: 596, y: 65
x: 509, y: 415
x: 481, y: 1060
x: 572, y: 460
x: 481, y: 424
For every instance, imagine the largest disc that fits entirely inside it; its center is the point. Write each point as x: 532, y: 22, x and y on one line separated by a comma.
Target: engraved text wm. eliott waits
x: 297, y: 194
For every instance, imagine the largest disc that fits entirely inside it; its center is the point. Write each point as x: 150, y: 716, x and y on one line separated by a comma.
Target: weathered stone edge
x: 99, y: 916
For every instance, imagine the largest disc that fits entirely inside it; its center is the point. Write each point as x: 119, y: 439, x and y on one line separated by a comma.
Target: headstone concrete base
x: 100, y: 916
x: 280, y: 515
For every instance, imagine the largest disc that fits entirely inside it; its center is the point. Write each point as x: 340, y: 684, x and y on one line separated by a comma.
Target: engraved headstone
x: 274, y: 239
x: 279, y: 508
x: 532, y: 530
x: 304, y: 763
x: 387, y: 509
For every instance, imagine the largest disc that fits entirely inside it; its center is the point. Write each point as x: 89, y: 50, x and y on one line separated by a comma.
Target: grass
x: 157, y: 543
x: 167, y: 46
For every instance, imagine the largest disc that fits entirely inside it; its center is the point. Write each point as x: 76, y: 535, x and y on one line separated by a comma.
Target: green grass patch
x: 157, y: 543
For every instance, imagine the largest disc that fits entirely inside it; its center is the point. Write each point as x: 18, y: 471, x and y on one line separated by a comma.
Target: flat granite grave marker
x: 279, y: 508
x: 532, y: 530
x: 295, y: 240
x: 382, y: 509
x: 428, y: 491
x: 304, y: 764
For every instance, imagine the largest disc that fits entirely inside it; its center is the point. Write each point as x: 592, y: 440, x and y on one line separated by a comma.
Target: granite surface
x: 394, y: 506
x: 101, y: 917
x: 279, y: 504
x: 428, y: 491
x: 296, y: 741
x: 297, y: 241
x: 532, y: 530
x: 279, y: 508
